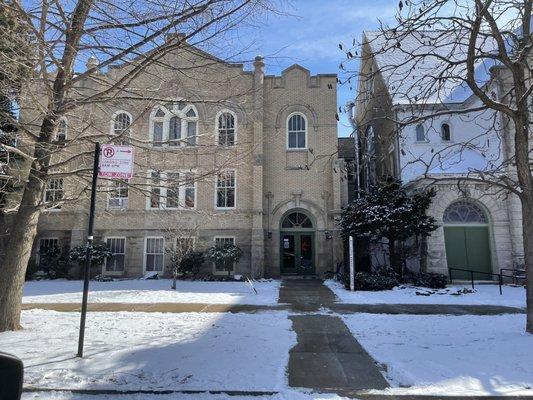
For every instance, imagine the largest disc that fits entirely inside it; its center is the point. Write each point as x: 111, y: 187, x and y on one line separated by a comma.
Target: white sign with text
x: 116, y: 162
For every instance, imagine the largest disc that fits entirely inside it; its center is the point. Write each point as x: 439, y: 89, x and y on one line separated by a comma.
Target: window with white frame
x: 117, y: 246
x: 226, y: 129
x: 174, y: 125
x: 296, y: 132
x: 45, y: 246
x: 62, y: 130
x: 154, y: 254
x: 224, y: 267
x: 121, y: 124
x: 53, y: 193
x: 445, y: 132
x: 225, y: 189
x: 172, y: 190
x: 420, y: 133
x: 118, y: 195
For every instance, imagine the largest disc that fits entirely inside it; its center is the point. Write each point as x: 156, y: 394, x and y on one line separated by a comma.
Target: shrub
x: 371, y: 281
x: 54, y: 263
x: 226, y: 254
x: 428, y: 279
x: 191, y: 262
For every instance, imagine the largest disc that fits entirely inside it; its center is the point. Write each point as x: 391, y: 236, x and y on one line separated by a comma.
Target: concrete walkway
x: 326, y: 357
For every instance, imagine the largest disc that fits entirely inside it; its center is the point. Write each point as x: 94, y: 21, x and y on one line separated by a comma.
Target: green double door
x: 298, y: 253
x: 468, y: 247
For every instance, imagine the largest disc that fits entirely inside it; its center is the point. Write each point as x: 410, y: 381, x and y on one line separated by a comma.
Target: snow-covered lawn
x: 484, y: 294
x: 152, y: 291
x: 449, y: 355
x: 132, y: 351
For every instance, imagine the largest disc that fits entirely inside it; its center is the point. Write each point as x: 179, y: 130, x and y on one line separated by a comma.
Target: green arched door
x: 297, y: 244
x: 466, y: 235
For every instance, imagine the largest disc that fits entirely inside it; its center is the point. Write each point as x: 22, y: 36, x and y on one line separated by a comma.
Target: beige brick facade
x: 271, y: 180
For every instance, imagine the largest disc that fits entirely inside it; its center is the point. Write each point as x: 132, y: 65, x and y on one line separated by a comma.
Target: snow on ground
x: 284, y: 395
x: 449, y: 355
x: 152, y: 291
x: 133, y: 351
x: 484, y: 294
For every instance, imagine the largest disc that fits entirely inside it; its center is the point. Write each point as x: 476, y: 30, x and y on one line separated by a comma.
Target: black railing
x: 515, y: 274
x: 471, y: 272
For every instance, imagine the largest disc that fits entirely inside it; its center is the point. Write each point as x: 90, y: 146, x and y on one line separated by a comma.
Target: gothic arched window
x: 464, y: 212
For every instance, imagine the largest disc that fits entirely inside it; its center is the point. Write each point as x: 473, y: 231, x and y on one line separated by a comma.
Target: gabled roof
x: 413, y: 63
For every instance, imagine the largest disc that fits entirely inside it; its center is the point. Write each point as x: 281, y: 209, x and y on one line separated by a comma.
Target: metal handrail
x: 514, y: 277
x: 500, y: 276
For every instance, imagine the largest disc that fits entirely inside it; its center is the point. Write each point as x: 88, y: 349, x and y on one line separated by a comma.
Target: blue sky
x: 309, y: 33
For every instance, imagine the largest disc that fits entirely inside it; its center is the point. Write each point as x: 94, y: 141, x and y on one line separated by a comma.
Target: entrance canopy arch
x: 297, y: 243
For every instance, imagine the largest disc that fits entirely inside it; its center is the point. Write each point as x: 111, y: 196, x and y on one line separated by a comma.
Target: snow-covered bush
x: 99, y: 253
x: 226, y: 255
x: 427, y: 279
x: 372, y: 281
x: 191, y: 263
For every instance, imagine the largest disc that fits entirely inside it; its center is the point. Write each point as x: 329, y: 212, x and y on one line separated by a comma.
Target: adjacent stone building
x: 479, y: 224
x: 222, y: 154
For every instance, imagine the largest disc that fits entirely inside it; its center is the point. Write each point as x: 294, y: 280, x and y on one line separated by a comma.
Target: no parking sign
x: 116, y: 162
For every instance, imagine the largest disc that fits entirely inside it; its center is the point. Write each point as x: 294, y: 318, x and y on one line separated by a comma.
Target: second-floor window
x: 420, y: 133
x: 53, y: 193
x: 296, y: 132
x: 120, y: 127
x: 174, y: 125
x: 445, y: 132
x: 225, y: 189
x: 118, y: 195
x: 226, y: 129
x: 172, y: 190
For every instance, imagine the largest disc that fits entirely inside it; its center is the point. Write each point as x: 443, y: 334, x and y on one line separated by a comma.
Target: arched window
x: 121, y: 124
x: 445, y: 132
x: 464, y: 212
x: 174, y: 124
x: 420, y: 133
x: 297, y: 220
x: 226, y: 129
x: 62, y: 129
x: 296, y: 132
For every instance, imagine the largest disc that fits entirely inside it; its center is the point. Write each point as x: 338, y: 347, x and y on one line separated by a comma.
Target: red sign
x: 116, y: 162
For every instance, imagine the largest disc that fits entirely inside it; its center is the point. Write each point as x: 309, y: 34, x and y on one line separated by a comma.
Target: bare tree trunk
x: 392, y: 255
x: 527, y: 229
x: 18, y: 252
x: 174, y: 278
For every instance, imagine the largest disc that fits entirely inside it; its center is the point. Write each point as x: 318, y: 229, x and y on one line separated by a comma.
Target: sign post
x: 352, y: 266
x: 116, y: 163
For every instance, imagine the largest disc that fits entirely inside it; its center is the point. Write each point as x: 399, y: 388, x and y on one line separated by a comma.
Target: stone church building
x: 222, y: 154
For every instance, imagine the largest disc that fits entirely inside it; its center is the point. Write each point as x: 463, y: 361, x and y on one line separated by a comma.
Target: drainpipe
x: 355, y: 134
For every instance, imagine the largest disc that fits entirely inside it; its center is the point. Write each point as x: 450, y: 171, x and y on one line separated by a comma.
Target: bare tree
x: 119, y: 42
x: 468, y: 59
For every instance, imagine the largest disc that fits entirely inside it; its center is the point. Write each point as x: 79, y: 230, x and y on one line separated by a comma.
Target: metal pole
x: 352, y: 265
x: 88, y: 251
x: 500, y: 278
x: 472, y: 279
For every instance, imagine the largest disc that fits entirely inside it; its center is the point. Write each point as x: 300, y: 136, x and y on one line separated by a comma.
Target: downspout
x: 355, y: 134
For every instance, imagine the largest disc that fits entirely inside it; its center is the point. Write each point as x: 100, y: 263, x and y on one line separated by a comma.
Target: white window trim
x: 216, y: 189
x: 451, y: 132
x: 111, y: 188
x: 287, y: 133
x: 174, y: 112
x: 56, y: 208
x: 146, y: 248
x: 66, y: 128
x: 426, y: 137
x: 235, y: 129
x: 37, y: 255
x: 104, y: 270
x: 112, y: 122
x: 163, y: 191
x: 215, y: 272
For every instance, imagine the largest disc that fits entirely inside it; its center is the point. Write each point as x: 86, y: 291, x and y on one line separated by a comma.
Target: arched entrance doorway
x: 297, y: 243
x: 466, y: 235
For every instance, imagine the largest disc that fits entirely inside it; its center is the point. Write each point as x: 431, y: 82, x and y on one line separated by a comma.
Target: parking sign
x: 116, y: 162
